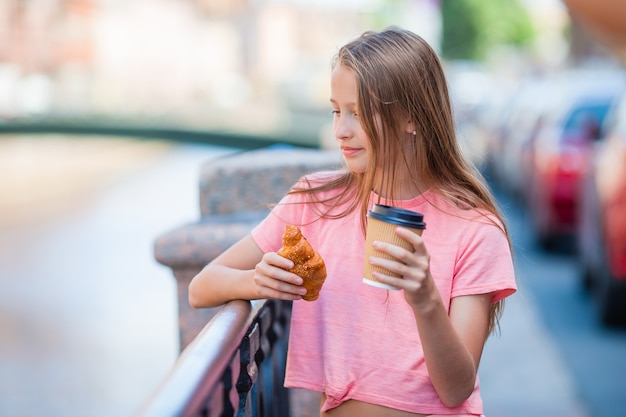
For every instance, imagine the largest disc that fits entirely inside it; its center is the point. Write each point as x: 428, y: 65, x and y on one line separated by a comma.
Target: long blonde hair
x: 400, y: 77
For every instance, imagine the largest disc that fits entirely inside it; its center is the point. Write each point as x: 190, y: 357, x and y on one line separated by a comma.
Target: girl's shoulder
x: 322, y: 184
x: 320, y: 179
x: 315, y: 186
x: 457, y: 212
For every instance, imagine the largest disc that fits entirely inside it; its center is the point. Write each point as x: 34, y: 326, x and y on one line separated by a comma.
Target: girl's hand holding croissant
x: 273, y: 281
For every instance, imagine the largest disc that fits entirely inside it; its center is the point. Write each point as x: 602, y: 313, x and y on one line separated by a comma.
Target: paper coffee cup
x: 382, y: 222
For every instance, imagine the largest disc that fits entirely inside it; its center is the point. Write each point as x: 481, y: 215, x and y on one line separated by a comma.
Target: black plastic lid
x: 396, y: 215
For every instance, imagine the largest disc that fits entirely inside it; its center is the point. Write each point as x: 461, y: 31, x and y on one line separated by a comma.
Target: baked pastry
x: 308, y: 264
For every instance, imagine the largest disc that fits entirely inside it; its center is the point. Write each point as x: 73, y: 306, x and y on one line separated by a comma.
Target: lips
x: 350, y: 151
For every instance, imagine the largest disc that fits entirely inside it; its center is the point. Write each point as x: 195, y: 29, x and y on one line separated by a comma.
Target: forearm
x: 217, y: 284
x: 450, y: 364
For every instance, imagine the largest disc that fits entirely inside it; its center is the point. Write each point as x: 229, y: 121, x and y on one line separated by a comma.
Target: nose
x: 343, y: 128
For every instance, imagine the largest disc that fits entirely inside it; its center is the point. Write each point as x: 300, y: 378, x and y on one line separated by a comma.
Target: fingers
x: 414, y: 239
x: 274, y: 259
x: 408, y: 257
x: 412, y: 265
x: 275, y: 281
x: 415, y: 271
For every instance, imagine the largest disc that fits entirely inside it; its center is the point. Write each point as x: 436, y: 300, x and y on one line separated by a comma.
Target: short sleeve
x: 294, y: 208
x: 268, y: 234
x: 485, y: 263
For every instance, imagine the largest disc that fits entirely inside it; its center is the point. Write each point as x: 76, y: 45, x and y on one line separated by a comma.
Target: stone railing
x: 235, y: 193
x: 233, y: 357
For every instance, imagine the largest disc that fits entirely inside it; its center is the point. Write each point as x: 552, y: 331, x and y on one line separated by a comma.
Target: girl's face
x: 353, y: 141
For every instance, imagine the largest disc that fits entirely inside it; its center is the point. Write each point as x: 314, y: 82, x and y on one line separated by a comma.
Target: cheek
x: 364, y: 161
x: 369, y: 149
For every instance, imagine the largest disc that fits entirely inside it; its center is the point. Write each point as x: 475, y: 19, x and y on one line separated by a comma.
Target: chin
x: 356, y: 168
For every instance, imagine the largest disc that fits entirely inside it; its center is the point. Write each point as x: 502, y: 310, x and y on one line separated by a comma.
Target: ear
x: 409, y: 127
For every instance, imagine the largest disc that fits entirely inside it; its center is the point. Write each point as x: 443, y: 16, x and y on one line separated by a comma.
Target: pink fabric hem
x: 455, y: 415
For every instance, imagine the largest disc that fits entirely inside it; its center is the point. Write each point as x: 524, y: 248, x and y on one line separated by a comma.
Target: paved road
x: 88, y: 319
x: 523, y: 370
x: 593, y: 356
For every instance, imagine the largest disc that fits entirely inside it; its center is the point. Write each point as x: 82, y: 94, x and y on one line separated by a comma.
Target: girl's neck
x: 401, y: 190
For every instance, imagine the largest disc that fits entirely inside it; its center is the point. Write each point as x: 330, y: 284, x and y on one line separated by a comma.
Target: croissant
x: 308, y: 264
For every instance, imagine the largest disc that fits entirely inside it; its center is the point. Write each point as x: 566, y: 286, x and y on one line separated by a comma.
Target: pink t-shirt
x: 361, y: 342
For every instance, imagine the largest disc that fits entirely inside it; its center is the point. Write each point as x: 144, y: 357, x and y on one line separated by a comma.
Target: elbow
x: 193, y: 302
x: 458, y: 396
x: 455, y: 400
x: 194, y: 299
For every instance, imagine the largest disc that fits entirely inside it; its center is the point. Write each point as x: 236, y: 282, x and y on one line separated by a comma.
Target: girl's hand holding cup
x: 395, y: 255
x: 410, y: 267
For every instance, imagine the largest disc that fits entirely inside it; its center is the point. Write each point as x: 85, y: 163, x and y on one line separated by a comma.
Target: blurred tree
x: 472, y: 27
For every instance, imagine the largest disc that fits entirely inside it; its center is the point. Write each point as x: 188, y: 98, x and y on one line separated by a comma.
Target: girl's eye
x: 335, y: 112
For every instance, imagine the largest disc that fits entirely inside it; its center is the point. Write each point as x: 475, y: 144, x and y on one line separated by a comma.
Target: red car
x: 602, y: 226
x: 559, y: 154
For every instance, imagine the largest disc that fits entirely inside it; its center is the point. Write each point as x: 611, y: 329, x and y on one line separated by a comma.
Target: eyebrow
x: 352, y: 103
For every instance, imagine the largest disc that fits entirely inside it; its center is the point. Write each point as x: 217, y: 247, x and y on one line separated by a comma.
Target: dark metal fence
x: 234, y: 367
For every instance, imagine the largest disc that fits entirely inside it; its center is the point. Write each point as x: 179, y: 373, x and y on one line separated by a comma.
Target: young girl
x: 370, y: 351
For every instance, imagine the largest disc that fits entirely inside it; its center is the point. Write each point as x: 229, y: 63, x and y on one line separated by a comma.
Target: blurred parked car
x: 477, y: 131
x: 472, y: 89
x: 521, y: 119
x: 602, y: 226
x: 558, y: 156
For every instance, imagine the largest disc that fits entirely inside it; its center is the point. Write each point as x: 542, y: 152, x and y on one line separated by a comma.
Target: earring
x: 415, y: 133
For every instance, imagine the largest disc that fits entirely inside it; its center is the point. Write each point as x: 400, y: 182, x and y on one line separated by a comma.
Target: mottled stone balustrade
x: 235, y: 193
x: 233, y: 357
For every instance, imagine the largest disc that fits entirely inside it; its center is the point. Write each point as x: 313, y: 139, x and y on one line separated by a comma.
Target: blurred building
x: 46, y: 54
x: 208, y: 64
